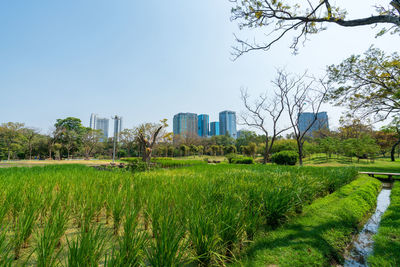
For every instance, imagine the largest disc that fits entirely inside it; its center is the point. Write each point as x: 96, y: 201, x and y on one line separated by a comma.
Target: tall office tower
x: 97, y: 123
x: 227, y: 123
x: 306, y: 118
x: 117, y: 126
x: 203, y: 122
x: 93, y: 121
x: 185, y: 124
x: 214, y: 128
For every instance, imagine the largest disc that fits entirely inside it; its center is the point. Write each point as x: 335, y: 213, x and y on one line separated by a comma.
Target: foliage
x: 136, y: 164
x: 285, y: 157
x: 242, y: 160
x: 367, y: 84
x: 231, y: 156
x: 284, y: 144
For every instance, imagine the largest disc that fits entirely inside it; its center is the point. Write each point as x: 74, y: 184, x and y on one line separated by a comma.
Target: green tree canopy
x: 367, y: 84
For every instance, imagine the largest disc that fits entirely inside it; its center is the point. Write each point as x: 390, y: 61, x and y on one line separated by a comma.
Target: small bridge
x: 390, y: 176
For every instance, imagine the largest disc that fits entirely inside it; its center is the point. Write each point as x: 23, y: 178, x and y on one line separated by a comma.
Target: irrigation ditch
x: 362, y: 246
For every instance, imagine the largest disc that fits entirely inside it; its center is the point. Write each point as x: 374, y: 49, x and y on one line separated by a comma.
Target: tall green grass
x: 207, y: 214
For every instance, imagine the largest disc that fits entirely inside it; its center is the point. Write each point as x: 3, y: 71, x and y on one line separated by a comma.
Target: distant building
x: 240, y: 133
x: 185, y: 124
x: 117, y: 126
x: 203, y: 125
x: 214, y: 128
x: 306, y: 118
x: 227, y: 123
x: 97, y: 123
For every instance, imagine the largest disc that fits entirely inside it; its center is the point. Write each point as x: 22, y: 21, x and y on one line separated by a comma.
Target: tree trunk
x: 147, y: 155
x: 394, y: 150
x: 300, y: 147
x: 266, y: 152
x: 9, y: 154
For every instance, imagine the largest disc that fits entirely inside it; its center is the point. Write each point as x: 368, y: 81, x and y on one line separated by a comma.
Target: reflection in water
x: 363, y: 245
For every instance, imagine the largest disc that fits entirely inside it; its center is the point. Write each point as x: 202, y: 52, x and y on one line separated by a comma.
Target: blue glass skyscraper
x: 203, y: 122
x: 306, y: 118
x: 214, y: 128
x: 185, y: 124
x: 227, y: 123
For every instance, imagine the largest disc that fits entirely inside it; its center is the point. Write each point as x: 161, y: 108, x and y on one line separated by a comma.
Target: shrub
x: 243, y: 160
x: 231, y: 156
x: 136, y: 164
x: 285, y: 157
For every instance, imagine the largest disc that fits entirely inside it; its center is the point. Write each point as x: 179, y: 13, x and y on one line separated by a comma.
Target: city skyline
x: 65, y: 59
x: 184, y: 124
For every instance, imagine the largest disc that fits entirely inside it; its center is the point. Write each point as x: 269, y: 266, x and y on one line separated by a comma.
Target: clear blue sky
x: 145, y: 60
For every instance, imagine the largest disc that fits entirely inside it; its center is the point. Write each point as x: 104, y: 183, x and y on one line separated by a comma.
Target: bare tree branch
x: 286, y: 17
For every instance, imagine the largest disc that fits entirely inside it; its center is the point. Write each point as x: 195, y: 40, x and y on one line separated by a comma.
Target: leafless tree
x: 262, y: 111
x: 148, y: 134
x: 305, y: 17
x: 90, y: 140
x: 301, y: 94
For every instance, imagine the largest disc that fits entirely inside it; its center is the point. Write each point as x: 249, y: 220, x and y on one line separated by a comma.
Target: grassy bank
x: 387, y: 241
x: 320, y: 235
x: 166, y: 217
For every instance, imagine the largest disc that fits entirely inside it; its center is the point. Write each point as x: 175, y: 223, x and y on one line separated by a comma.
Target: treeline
x: 69, y: 139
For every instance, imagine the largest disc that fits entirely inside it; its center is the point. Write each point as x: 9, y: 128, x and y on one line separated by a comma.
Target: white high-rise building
x: 102, y: 124
x: 117, y: 126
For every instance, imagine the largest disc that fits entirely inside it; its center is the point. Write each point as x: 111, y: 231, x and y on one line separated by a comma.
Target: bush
x: 285, y: 157
x: 231, y: 156
x: 243, y: 160
x: 137, y: 165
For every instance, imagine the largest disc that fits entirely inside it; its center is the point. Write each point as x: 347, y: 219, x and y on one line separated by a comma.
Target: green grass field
x: 206, y: 215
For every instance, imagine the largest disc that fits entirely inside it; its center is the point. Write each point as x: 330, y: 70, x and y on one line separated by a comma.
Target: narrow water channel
x: 363, y: 245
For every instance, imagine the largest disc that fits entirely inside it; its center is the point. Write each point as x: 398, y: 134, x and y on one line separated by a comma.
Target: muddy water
x: 363, y: 245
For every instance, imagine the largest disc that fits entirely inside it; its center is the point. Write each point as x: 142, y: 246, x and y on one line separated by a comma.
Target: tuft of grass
x: 48, y: 242
x: 88, y: 248
x: 131, y: 245
x: 202, y: 232
x: 168, y: 246
x: 5, y: 250
x: 24, y: 226
x: 387, y: 241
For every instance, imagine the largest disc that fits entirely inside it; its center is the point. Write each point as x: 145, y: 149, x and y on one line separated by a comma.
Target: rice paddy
x: 203, y: 215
